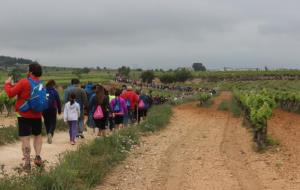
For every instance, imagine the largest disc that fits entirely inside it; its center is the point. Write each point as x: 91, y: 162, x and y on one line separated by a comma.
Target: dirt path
x: 11, y: 155
x: 200, y: 149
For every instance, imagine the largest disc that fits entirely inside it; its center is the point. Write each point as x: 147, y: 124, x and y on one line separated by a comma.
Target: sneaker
x: 73, y: 143
x: 81, y: 136
x: 38, y: 161
x: 49, y: 140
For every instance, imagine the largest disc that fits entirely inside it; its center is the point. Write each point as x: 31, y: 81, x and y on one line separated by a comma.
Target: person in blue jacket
x: 54, y: 108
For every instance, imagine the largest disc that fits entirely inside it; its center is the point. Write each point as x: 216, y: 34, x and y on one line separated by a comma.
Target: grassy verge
x: 224, y: 105
x: 10, y: 134
x: 235, y: 108
x: 159, y: 117
x: 86, y: 167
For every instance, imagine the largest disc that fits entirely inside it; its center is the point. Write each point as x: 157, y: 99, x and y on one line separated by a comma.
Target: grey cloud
x: 150, y: 34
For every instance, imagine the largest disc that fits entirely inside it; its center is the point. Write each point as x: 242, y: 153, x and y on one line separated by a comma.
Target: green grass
x: 87, y: 166
x: 235, y: 108
x: 271, y: 142
x: 8, y: 135
x: 224, y: 105
x: 159, y: 117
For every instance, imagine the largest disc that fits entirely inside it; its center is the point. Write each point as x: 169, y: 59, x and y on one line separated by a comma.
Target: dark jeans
x: 50, y: 121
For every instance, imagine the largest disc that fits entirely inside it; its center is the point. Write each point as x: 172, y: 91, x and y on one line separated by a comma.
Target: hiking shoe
x: 38, y: 161
x: 81, y: 136
x: 73, y: 143
x: 49, y: 140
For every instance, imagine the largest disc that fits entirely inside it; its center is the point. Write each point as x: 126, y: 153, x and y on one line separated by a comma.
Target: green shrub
x: 235, y: 108
x: 8, y: 135
x: 224, y: 105
x: 204, y: 98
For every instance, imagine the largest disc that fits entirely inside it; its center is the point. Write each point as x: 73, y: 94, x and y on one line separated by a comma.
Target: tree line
x: 11, y: 61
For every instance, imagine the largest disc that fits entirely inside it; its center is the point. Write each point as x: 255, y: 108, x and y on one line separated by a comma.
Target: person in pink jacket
x: 118, y: 108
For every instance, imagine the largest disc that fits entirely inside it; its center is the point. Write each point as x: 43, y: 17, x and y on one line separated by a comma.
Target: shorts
x: 100, y: 123
x: 29, y: 126
x: 119, y: 119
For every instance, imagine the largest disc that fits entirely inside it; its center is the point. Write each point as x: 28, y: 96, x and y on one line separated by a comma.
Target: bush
x: 182, y: 75
x: 235, y: 108
x: 179, y: 75
x: 203, y: 98
x: 167, y: 78
x: 8, y: 135
x: 147, y: 76
x: 224, y: 105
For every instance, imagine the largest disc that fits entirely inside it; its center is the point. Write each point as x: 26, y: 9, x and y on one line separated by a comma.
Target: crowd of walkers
x: 106, y: 109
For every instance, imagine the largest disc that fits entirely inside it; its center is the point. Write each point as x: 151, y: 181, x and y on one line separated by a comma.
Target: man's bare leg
x: 37, y: 144
x: 26, y: 150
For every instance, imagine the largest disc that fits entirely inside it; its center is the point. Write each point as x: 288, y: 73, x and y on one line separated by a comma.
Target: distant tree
x: 98, y: 68
x: 9, y: 61
x: 182, y: 75
x: 199, y: 67
x: 124, y: 71
x: 167, y: 78
x: 147, y: 76
x: 139, y: 69
x: 85, y: 70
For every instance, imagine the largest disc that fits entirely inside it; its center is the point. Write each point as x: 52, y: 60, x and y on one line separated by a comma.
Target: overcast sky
x: 153, y: 33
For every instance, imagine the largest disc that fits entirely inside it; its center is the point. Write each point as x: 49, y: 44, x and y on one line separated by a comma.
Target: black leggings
x: 50, y: 121
x: 140, y: 113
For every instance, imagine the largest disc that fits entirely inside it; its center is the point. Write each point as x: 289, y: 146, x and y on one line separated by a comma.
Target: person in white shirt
x: 71, y: 115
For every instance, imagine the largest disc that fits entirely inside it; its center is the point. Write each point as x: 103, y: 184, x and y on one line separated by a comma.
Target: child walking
x: 71, y: 115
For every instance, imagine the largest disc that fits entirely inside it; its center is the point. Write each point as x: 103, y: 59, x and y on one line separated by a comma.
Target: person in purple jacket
x: 118, y: 108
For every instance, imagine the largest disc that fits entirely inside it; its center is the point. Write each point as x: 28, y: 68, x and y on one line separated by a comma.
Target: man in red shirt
x: 29, y: 122
x: 132, y: 98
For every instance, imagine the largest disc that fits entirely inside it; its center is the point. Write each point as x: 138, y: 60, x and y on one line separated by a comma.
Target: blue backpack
x: 38, y: 100
x: 52, y: 103
x: 117, y: 106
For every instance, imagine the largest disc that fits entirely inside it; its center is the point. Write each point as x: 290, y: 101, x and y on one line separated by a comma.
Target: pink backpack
x: 141, y: 104
x: 98, y: 114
